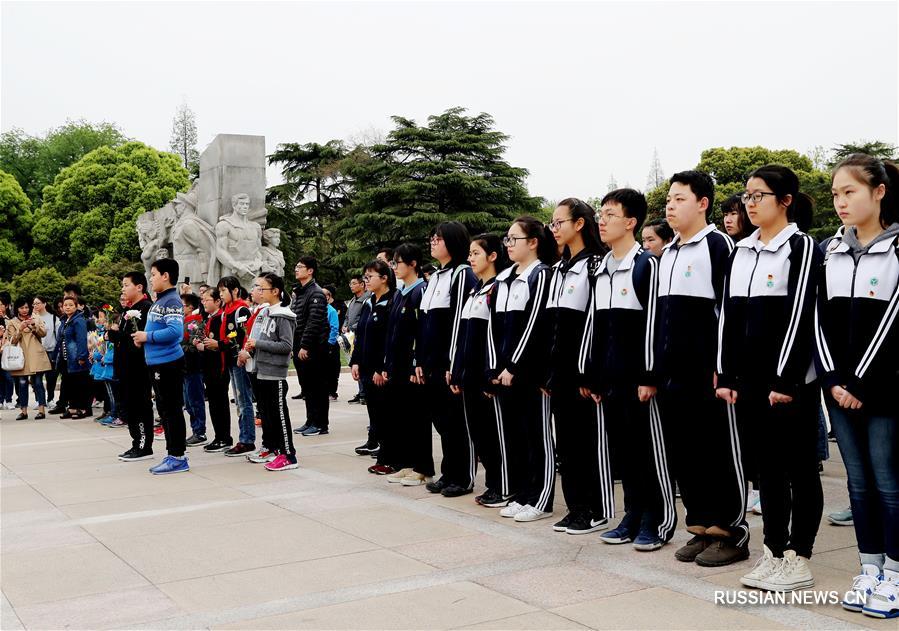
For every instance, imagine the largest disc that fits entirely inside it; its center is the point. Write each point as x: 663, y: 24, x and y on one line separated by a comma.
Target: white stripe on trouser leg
x: 663, y: 475
x: 501, y: 435
x: 549, y: 457
x: 472, y: 466
x: 286, y: 449
x: 606, y: 484
x: 738, y: 469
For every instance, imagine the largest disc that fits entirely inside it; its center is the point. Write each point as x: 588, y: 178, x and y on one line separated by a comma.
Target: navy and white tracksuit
x: 857, y: 335
x: 468, y: 370
x: 581, y: 442
x: 406, y: 399
x: 441, y: 305
x: 766, y: 344
x: 618, y: 357
x: 368, y: 354
x: 705, y: 449
x: 519, y: 341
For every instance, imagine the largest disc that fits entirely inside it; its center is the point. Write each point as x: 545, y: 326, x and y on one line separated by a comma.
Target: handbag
x: 12, y: 358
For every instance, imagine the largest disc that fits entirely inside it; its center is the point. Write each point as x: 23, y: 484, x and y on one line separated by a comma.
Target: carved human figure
x: 272, y: 258
x: 193, y: 241
x: 239, y: 242
x: 148, y: 236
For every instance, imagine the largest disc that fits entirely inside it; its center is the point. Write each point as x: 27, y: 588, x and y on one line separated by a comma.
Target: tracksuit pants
x: 216, y: 382
x: 706, y: 456
x: 314, y: 380
x: 271, y: 396
x: 487, y: 434
x: 447, y: 411
x: 412, y: 427
x: 136, y: 407
x: 532, y: 458
x: 640, y: 457
x: 168, y: 379
x: 784, y: 438
x: 582, y: 449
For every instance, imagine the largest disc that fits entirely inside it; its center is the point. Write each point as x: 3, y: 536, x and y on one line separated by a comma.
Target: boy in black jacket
x: 310, y: 346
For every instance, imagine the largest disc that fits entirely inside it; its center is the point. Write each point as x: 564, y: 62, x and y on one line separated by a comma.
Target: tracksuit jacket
x: 403, y: 332
x: 469, y: 362
x: 441, y: 305
x: 371, y: 329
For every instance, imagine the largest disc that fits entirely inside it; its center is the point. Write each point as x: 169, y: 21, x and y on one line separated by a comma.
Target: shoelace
x: 776, y: 564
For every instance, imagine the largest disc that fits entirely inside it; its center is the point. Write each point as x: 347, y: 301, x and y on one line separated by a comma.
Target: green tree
x: 44, y: 281
x: 36, y: 160
x: 15, y: 224
x: 183, y: 142
x: 91, y: 207
x: 101, y: 281
x: 450, y: 169
x: 876, y: 148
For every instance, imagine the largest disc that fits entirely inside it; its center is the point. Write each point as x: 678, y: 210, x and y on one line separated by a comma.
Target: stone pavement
x: 90, y: 542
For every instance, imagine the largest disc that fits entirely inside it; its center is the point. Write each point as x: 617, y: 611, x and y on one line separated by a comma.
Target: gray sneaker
x: 841, y: 518
x: 196, y: 440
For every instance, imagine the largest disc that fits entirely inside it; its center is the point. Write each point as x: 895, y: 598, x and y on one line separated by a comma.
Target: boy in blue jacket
x: 161, y: 340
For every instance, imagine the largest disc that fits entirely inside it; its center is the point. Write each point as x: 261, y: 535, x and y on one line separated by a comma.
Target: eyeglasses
x: 509, y: 241
x: 606, y: 217
x: 368, y: 278
x: 555, y: 225
x: 756, y: 197
x: 436, y: 239
x: 299, y: 266
x: 392, y: 264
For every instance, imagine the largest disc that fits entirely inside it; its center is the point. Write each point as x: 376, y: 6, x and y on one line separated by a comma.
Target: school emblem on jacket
x: 571, y: 289
x: 873, y: 281
x: 770, y: 282
x: 689, y: 271
x: 624, y: 291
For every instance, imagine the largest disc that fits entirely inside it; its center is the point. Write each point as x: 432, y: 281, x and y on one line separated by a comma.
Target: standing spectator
x: 194, y: 396
x: 161, y: 341
x: 27, y: 332
x: 333, y: 347
x: 130, y: 368
x: 353, y: 313
x: 232, y: 334
x: 51, y: 323
x: 72, y: 359
x: 310, y: 346
x: 100, y: 372
x: 7, y: 383
x: 215, y: 374
x: 656, y: 235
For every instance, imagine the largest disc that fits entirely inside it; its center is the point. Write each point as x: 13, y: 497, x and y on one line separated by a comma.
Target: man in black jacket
x: 130, y: 369
x: 310, y: 345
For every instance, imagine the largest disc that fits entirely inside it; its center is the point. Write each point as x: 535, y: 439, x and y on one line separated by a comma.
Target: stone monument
x: 217, y: 228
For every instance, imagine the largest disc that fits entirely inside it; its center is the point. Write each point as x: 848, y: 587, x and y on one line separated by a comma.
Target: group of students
x: 571, y: 346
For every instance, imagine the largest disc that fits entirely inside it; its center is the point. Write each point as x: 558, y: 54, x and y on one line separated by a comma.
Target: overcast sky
x: 584, y: 90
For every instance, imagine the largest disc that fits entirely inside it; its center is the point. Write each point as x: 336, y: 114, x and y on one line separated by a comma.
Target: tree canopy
x: 16, y: 220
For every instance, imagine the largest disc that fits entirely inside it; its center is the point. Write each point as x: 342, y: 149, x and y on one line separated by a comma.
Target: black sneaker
x: 437, y: 486
x: 454, y: 490
x: 240, y: 449
x: 492, y: 499
x: 562, y: 524
x: 302, y: 429
x: 133, y: 455
x: 298, y: 396
x: 217, y: 445
x: 367, y: 449
x: 196, y: 440
x: 584, y: 524
x: 363, y: 402
x: 56, y: 409
x: 355, y: 399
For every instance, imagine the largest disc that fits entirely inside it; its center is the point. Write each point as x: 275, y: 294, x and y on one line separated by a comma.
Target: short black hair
x: 137, y: 278
x: 357, y: 277
x: 408, y: 253
x: 193, y: 300
x: 700, y: 183
x: 632, y: 202
x: 388, y: 252
x: 166, y: 266
x: 662, y: 229
x: 74, y: 288
x: 21, y: 301
x: 309, y: 262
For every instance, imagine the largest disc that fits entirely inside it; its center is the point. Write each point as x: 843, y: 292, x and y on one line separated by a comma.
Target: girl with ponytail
x: 858, y: 360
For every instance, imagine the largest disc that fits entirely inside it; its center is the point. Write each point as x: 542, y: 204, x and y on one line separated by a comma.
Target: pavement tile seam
x: 8, y: 617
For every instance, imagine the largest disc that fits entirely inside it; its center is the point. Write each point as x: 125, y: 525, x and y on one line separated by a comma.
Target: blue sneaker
x: 621, y: 534
x: 171, y: 464
x: 647, y: 540
x: 102, y: 420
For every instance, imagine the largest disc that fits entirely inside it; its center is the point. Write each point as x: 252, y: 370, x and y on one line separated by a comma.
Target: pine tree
x: 613, y: 183
x: 184, y: 139
x: 656, y: 174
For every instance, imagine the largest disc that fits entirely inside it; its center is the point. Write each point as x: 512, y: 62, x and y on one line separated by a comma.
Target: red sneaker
x: 381, y: 469
x: 281, y: 463
x: 159, y: 431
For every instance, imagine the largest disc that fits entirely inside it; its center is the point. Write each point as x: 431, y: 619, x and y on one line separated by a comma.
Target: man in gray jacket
x: 353, y: 313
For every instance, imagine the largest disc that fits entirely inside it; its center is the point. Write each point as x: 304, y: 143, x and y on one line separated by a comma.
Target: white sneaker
x: 415, y: 479
x: 792, y: 574
x: 50, y: 403
x: 34, y: 405
x: 884, y: 600
x: 511, y: 510
x: 764, y: 567
x: 397, y: 478
x: 863, y: 586
x: 752, y: 498
x: 9, y: 406
x: 529, y: 513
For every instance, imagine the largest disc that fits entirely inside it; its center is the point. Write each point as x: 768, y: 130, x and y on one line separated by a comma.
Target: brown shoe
x: 722, y: 551
x: 692, y: 549
x: 240, y: 449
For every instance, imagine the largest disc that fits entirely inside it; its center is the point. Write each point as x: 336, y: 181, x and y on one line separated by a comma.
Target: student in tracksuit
x: 582, y: 452
x: 215, y: 373
x: 487, y: 256
x: 518, y: 347
x: 766, y: 373
x: 271, y: 347
x: 441, y: 305
x: 618, y: 360
x: 704, y: 443
x: 367, y: 364
x: 232, y: 334
x: 413, y: 459
x: 858, y: 358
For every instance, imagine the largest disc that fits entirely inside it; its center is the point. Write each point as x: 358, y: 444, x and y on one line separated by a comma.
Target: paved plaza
x: 89, y: 542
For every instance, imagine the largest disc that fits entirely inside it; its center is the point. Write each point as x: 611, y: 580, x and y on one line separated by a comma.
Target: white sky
x: 585, y: 90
